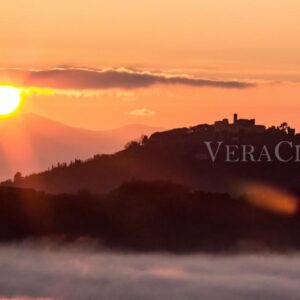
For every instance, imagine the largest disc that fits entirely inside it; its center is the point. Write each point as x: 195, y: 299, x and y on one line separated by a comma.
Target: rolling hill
x: 180, y: 156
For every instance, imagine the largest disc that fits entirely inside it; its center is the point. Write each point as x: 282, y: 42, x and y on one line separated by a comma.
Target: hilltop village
x: 223, y: 129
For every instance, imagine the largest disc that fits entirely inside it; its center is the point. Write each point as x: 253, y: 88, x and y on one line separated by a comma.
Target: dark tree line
x: 147, y: 216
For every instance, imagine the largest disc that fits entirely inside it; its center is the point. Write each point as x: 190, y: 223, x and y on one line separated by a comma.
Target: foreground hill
x: 31, y: 143
x: 181, y: 156
x: 148, y: 216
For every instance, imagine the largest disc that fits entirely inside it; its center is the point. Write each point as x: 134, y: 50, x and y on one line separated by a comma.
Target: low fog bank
x: 32, y: 272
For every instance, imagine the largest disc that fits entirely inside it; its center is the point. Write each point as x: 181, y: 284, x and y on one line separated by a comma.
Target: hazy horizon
x: 32, y: 143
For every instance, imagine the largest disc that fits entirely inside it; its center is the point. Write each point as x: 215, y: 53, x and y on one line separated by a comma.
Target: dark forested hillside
x: 181, y: 156
x: 148, y: 216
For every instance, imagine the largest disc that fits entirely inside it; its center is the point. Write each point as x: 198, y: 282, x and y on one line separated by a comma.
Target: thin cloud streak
x: 93, y: 79
x: 142, y: 112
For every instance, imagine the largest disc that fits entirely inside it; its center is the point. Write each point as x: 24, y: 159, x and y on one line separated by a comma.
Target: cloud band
x: 82, y: 79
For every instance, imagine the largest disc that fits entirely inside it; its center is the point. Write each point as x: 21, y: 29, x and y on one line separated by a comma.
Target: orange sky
x: 249, y: 40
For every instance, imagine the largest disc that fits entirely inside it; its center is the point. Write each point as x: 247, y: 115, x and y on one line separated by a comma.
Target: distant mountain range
x: 180, y: 156
x: 31, y: 143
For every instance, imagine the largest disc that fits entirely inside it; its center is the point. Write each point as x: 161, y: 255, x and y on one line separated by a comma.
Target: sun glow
x: 10, y: 98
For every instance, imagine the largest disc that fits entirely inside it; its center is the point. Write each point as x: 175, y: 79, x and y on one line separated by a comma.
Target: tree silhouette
x: 132, y: 144
x: 283, y: 126
x: 143, y: 140
x: 18, y: 177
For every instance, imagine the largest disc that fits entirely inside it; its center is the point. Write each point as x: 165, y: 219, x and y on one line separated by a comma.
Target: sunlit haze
x: 10, y: 98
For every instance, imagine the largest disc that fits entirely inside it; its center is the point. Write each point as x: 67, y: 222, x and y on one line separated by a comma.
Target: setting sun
x: 10, y: 98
